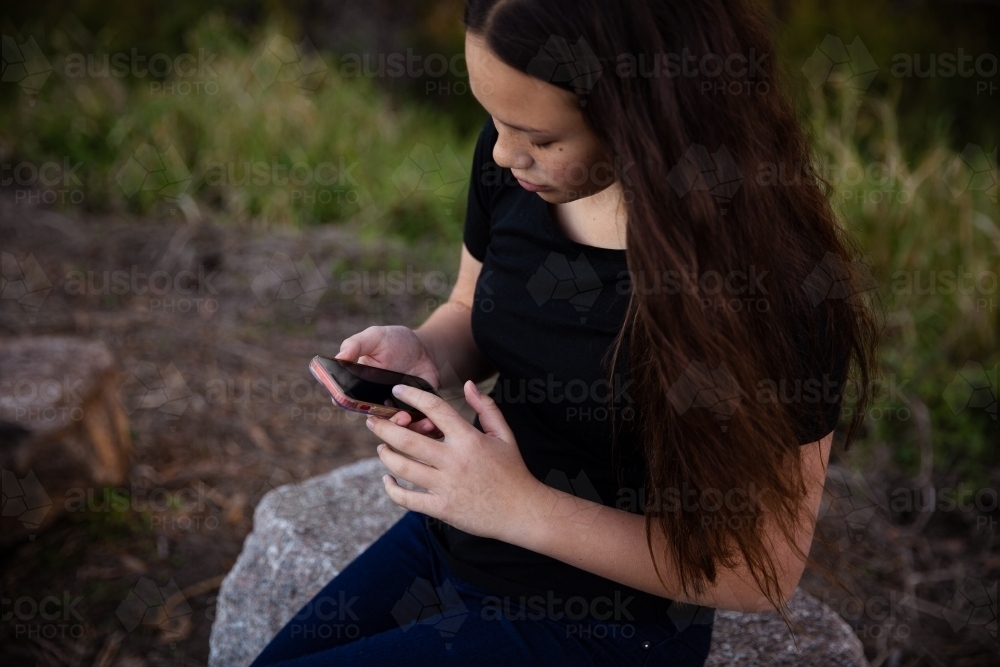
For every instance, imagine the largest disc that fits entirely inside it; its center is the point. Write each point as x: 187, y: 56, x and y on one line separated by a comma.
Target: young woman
x: 672, y: 331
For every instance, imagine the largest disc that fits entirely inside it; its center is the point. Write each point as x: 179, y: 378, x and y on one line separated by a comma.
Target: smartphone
x: 366, y: 389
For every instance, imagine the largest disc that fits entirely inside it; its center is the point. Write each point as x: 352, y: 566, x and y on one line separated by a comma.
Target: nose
x: 508, y: 153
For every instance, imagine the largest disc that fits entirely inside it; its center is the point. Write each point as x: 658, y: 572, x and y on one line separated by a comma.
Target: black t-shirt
x: 546, y: 311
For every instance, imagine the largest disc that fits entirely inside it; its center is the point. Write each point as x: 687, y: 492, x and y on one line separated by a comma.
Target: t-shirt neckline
x: 553, y: 230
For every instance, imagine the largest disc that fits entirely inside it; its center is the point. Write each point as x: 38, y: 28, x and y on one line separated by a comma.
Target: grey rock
x: 304, y: 534
x: 822, y: 638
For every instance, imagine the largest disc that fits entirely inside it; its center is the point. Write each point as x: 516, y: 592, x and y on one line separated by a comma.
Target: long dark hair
x: 731, y: 115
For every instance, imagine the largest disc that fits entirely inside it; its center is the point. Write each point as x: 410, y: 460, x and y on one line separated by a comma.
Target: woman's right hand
x: 395, y: 348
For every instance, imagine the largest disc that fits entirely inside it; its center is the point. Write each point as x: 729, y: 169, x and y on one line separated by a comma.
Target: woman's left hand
x: 475, y: 480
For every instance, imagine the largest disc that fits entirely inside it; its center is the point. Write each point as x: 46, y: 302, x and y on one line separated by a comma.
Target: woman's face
x: 544, y: 139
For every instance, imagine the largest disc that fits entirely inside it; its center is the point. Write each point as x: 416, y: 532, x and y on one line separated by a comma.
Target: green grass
x: 928, y: 228
x: 250, y: 140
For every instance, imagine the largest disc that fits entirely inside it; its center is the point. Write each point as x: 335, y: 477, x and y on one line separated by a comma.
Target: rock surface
x: 294, y: 550
x: 63, y: 428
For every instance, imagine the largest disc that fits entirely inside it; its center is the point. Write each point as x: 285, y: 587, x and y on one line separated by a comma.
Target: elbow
x: 760, y: 604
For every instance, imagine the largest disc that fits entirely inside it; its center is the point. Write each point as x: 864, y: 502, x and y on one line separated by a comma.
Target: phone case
x: 344, y: 401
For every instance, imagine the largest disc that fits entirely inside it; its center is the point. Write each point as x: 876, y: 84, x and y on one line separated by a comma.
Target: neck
x: 597, y: 220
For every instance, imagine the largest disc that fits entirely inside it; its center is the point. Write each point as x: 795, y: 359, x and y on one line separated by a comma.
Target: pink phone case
x: 344, y: 401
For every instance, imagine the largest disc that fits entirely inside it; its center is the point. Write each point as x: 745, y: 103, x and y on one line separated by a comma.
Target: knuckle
x: 393, y: 492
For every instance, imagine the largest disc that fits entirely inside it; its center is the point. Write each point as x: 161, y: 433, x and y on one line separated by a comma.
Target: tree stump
x: 61, y: 428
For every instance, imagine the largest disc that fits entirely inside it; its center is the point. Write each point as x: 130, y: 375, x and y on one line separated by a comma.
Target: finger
x: 406, y: 468
x: 416, y: 501
x: 406, y: 441
x: 432, y: 405
x: 426, y: 427
x: 423, y: 427
x: 360, y: 344
x: 403, y: 418
x: 490, y: 417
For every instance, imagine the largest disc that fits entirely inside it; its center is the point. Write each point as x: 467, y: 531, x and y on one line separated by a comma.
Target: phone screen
x: 369, y: 384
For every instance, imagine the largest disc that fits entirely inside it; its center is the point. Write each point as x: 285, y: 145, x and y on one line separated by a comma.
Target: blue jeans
x: 398, y: 603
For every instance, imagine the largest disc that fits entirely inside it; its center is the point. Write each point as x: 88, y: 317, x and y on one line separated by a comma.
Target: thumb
x: 489, y: 413
x: 350, y: 350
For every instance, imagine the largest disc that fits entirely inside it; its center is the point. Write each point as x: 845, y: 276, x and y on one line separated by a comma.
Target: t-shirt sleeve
x: 478, y: 211
x: 816, y: 400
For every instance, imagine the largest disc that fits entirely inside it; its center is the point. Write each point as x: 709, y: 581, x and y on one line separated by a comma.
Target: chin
x: 554, y: 196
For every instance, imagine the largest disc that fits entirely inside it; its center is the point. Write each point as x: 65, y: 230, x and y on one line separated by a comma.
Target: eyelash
x: 547, y: 143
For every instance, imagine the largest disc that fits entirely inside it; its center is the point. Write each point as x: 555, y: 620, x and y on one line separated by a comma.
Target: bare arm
x: 447, y: 333
x: 612, y: 543
x: 478, y: 482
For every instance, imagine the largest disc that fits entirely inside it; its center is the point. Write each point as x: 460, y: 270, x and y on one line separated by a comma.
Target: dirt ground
x: 229, y: 343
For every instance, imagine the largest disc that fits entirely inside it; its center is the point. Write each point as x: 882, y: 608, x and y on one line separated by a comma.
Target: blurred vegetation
x: 267, y: 131
x: 932, y: 102
x: 912, y: 160
x: 929, y: 234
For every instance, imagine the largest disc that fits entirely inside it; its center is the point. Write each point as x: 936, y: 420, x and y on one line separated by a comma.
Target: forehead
x: 515, y: 98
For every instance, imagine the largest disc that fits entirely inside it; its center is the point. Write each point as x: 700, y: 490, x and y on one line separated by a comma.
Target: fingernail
x: 397, y: 389
x: 369, y: 422
x: 379, y: 448
x: 475, y: 388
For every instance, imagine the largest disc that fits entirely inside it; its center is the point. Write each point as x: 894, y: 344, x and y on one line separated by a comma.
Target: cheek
x: 568, y: 170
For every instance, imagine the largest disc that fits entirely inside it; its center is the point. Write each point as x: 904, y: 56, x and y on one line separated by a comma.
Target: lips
x: 531, y: 187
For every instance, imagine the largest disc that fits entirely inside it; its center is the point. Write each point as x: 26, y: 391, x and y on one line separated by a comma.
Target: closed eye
x: 542, y: 145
